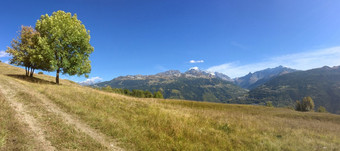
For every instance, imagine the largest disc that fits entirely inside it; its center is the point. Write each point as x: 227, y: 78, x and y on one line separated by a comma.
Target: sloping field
x: 36, y: 114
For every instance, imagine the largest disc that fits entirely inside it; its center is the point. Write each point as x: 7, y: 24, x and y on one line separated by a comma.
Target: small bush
x: 40, y: 72
x: 269, y: 104
x: 322, y: 109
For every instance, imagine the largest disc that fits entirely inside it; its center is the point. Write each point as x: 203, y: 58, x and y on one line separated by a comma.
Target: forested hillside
x: 322, y: 84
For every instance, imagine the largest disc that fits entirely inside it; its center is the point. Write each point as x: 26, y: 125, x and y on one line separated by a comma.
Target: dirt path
x: 34, y: 129
x: 68, y: 119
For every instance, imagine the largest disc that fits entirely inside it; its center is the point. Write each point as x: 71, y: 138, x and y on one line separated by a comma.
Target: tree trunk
x: 32, y: 72
x: 57, y: 77
x: 26, y: 71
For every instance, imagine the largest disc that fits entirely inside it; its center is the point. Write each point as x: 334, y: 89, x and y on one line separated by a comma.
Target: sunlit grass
x: 157, y: 124
x: 151, y: 124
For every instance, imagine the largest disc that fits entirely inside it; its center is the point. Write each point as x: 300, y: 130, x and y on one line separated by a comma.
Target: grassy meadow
x: 158, y: 124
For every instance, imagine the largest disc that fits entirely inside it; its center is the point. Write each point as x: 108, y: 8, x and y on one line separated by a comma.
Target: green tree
x: 107, y: 88
x: 158, y: 94
x: 118, y: 90
x: 148, y: 94
x: 138, y: 93
x: 127, y: 92
x: 298, y: 106
x: 26, y: 51
x: 307, y: 104
x: 322, y: 109
x: 69, y: 41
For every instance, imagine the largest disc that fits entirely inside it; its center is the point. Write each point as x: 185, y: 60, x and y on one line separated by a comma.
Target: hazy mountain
x: 322, y: 84
x: 252, y: 80
x: 193, y: 84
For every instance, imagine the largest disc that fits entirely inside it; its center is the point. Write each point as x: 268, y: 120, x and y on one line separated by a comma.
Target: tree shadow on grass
x: 30, y: 79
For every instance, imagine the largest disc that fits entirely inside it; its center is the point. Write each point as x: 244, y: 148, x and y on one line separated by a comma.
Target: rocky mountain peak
x: 175, y: 73
x: 252, y: 80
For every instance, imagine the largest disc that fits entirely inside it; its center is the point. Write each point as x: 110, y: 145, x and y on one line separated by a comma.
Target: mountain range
x: 193, y: 84
x: 248, y: 81
x: 281, y: 85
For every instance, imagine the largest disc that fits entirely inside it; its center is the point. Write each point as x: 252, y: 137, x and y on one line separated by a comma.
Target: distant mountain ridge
x: 253, y: 80
x: 248, y: 81
x: 170, y: 74
x: 196, y: 84
x: 193, y: 84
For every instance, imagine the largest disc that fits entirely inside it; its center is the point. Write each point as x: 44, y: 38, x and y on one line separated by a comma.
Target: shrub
x: 307, y: 104
x: 40, y: 72
x: 322, y: 109
x: 269, y: 104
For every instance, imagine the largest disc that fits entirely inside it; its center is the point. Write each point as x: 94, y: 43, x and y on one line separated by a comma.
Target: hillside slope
x: 97, y: 120
x: 322, y: 84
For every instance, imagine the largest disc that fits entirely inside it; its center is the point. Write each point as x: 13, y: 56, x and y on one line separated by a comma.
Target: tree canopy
x: 26, y: 51
x: 68, y: 40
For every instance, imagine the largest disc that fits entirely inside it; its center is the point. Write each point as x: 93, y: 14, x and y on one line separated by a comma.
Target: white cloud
x: 3, y: 54
x: 301, y: 61
x: 194, y: 68
x: 196, y: 61
x: 91, y: 81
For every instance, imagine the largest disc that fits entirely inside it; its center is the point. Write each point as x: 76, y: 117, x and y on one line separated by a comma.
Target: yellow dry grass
x: 157, y: 124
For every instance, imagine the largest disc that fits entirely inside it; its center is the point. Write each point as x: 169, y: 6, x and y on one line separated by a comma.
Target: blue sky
x: 233, y: 37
